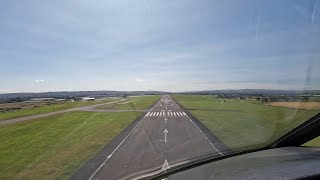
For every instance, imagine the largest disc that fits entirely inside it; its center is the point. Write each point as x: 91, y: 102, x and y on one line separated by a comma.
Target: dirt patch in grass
x: 298, y: 105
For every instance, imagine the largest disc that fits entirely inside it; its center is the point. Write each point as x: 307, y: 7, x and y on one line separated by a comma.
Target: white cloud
x: 139, y: 80
x: 39, y: 81
x: 4, y: 91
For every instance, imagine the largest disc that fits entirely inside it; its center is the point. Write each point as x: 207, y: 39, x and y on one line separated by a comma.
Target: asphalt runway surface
x: 163, y: 137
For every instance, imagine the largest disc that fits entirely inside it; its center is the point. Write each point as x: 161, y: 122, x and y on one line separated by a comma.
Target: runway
x: 164, y: 137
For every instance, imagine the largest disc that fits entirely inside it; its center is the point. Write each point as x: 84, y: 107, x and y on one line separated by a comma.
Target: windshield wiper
x: 301, y: 134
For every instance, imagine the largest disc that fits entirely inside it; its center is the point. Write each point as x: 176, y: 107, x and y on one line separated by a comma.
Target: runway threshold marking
x: 162, y: 113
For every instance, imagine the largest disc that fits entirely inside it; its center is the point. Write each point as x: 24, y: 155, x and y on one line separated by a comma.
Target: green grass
x: 314, y: 142
x: 55, y: 147
x: 46, y: 109
x: 240, y: 123
x: 132, y: 103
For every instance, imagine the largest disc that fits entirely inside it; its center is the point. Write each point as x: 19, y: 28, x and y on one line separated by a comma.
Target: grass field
x: 314, y: 142
x: 132, y: 103
x: 298, y: 105
x: 55, y: 147
x: 240, y: 123
x: 46, y: 109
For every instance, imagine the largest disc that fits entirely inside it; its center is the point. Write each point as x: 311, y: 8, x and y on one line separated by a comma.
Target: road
x: 164, y: 137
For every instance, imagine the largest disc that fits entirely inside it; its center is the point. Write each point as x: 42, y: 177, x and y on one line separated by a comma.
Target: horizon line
x: 302, y: 90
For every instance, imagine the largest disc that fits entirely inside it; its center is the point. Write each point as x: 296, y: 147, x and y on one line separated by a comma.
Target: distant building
x: 60, y: 100
x: 87, y: 99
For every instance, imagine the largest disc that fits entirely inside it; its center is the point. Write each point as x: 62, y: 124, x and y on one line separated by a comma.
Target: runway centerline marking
x: 165, y: 135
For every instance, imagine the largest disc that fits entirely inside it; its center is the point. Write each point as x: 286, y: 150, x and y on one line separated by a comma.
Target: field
x: 241, y: 123
x: 55, y: 147
x: 314, y: 142
x: 45, y: 109
x: 298, y: 105
x: 132, y: 103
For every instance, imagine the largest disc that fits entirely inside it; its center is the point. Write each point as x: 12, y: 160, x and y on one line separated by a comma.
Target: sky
x: 165, y: 45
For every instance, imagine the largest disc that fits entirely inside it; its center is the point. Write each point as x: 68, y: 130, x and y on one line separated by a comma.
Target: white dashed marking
x: 163, y: 113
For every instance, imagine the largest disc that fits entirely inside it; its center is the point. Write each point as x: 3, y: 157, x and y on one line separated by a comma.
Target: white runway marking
x: 165, y: 135
x: 205, y: 136
x: 163, y: 113
x: 115, y: 150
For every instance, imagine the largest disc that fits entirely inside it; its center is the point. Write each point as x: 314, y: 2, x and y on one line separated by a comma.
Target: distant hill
x: 256, y: 92
x: 68, y: 94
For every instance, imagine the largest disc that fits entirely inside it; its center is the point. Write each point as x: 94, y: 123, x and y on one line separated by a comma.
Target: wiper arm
x: 301, y: 134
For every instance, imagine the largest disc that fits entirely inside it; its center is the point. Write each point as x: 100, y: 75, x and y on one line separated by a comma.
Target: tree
x: 265, y: 100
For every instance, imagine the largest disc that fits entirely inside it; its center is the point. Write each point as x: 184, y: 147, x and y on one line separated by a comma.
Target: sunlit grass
x: 240, y: 123
x: 133, y: 103
x: 46, y: 109
x: 55, y: 147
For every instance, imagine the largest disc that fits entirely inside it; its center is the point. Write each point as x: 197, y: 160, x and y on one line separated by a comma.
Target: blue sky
x: 159, y: 45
